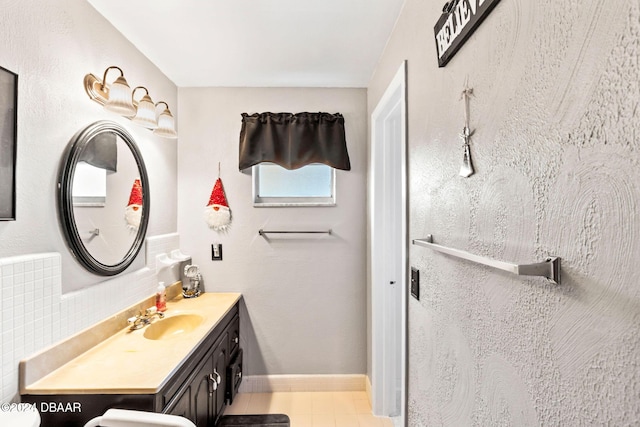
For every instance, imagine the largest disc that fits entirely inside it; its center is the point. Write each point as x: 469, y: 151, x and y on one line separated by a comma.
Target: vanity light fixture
x: 117, y: 97
x: 145, y: 111
x: 119, y: 101
x: 166, y: 124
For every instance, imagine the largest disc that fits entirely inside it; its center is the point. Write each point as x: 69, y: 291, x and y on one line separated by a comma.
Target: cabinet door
x: 220, y: 362
x: 182, y: 405
x: 234, y: 336
x: 203, y: 393
x: 203, y: 396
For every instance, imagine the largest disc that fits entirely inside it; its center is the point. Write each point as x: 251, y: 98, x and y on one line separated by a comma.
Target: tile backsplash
x: 30, y: 291
x: 35, y: 313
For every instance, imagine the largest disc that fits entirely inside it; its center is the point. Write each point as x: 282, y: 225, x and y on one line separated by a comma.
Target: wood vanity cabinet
x: 201, y: 398
x: 196, y: 390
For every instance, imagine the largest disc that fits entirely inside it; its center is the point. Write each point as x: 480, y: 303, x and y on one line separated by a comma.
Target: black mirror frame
x: 65, y: 201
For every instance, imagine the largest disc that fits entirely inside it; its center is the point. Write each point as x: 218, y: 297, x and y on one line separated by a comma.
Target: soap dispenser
x: 161, y: 298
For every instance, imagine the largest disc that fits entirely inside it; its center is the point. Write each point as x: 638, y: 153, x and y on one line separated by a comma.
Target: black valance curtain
x: 293, y: 140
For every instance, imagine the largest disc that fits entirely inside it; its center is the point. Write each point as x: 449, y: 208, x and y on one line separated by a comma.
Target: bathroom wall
x: 45, y: 295
x: 304, y: 295
x: 52, y: 46
x: 555, y: 150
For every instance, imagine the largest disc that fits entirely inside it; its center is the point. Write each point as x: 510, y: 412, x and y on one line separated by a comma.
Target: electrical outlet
x: 216, y: 252
x: 415, y: 283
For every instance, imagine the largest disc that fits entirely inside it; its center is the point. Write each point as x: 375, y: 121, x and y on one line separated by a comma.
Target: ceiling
x: 258, y: 43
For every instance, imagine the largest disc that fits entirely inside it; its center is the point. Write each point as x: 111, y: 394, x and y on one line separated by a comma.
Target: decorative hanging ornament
x: 217, y: 213
x: 467, y: 166
x: 133, y: 211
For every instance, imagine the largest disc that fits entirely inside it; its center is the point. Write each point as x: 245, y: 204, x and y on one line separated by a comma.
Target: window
x: 89, y: 185
x: 311, y: 185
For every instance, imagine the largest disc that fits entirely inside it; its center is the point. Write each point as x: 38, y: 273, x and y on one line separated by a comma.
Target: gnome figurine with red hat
x: 217, y: 213
x: 133, y: 211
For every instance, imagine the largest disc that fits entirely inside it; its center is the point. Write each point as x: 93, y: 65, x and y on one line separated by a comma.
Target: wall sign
x: 455, y: 26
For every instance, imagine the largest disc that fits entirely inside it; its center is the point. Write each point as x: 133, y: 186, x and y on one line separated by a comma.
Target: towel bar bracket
x: 550, y: 268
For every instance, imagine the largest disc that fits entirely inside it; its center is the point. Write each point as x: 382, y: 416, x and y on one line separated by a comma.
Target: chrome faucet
x: 141, y: 320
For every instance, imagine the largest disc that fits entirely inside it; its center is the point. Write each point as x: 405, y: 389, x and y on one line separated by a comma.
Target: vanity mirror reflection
x: 103, y: 198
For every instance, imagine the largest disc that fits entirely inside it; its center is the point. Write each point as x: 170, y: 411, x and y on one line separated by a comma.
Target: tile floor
x: 312, y: 409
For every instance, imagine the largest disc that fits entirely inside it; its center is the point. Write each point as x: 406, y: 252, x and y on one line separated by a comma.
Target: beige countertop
x: 129, y: 363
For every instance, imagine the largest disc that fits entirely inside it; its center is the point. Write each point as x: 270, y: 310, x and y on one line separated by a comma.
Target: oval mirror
x: 103, y: 198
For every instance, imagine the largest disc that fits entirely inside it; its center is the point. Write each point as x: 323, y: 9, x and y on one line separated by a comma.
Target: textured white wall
x: 52, y: 45
x: 305, y: 295
x: 555, y: 149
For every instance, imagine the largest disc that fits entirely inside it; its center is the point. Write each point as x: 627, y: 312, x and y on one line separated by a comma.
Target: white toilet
x: 111, y: 418
x: 128, y: 418
x: 20, y: 418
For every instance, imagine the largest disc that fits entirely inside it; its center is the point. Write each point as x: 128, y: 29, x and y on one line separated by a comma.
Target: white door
x: 389, y: 250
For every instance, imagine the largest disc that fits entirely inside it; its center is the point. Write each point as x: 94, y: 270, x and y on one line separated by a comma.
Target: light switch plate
x: 415, y: 283
x: 216, y: 252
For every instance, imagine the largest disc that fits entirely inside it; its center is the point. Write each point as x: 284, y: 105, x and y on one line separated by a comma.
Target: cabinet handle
x: 236, y: 340
x: 218, y: 380
x: 240, y: 374
x: 214, y: 381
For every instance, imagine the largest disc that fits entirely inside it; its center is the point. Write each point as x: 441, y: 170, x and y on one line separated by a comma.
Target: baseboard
x: 368, y: 387
x: 280, y: 383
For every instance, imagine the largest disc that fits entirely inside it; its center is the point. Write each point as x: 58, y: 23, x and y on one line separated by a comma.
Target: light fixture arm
x: 104, y: 78
x: 166, y: 124
x: 133, y: 92
x: 97, y: 89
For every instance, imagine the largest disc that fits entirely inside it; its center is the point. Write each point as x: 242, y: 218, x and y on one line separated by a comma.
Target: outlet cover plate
x: 415, y: 283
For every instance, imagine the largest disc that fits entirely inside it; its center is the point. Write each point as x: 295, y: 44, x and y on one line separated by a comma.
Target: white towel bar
x: 550, y: 268
x: 263, y: 232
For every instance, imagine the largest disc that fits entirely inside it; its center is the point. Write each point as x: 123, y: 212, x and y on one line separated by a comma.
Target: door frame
x: 395, y: 95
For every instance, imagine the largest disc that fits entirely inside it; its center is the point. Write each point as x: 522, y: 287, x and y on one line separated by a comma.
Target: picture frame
x: 8, y: 143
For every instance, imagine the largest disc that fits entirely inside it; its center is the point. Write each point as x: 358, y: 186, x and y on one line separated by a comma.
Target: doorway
x: 389, y: 263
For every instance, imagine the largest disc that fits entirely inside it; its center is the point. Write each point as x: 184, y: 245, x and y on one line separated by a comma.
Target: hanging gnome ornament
x: 133, y: 211
x: 217, y: 213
